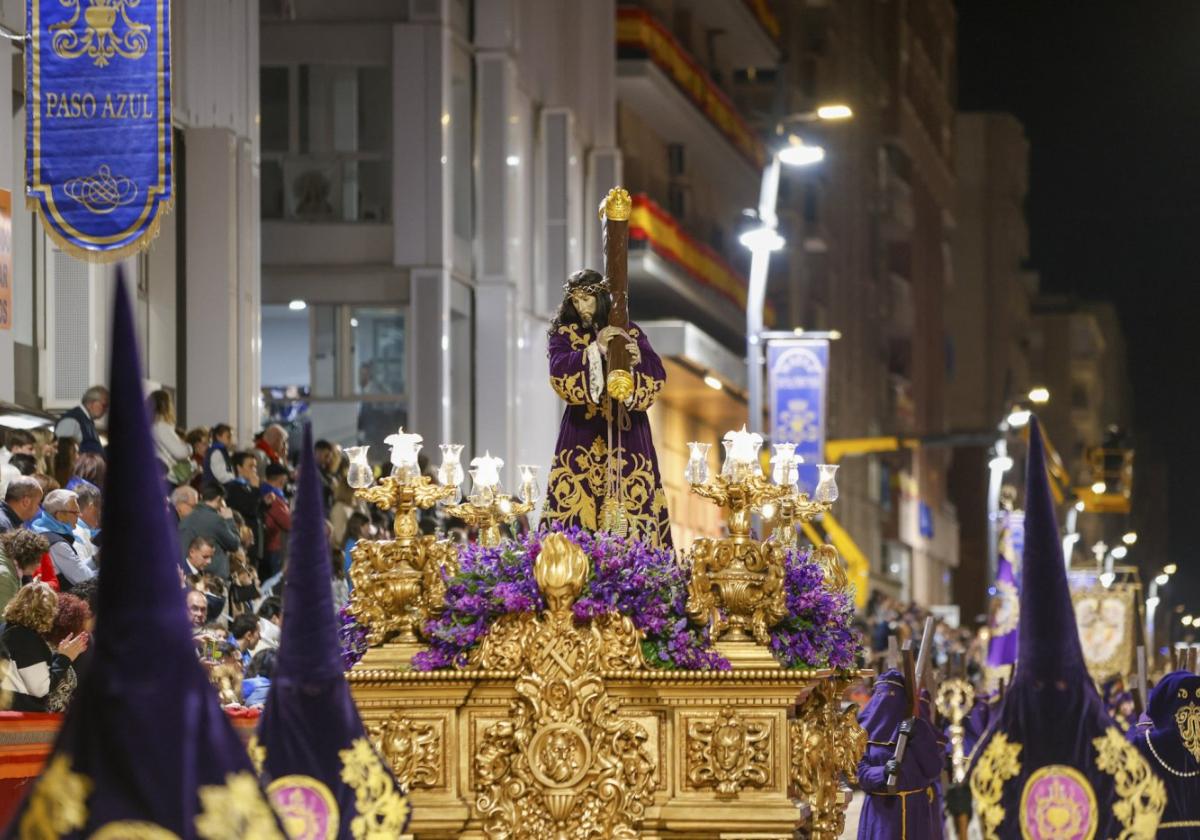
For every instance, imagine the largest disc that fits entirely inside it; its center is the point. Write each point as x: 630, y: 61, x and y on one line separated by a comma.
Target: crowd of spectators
x: 232, y: 507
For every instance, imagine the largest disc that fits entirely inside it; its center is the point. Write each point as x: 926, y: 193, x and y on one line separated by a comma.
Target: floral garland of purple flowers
x: 647, y: 584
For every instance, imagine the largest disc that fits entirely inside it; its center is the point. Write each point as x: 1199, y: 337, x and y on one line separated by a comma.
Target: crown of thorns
x: 602, y: 283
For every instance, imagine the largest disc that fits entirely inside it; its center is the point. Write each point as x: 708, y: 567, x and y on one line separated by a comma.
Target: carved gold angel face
x: 727, y: 746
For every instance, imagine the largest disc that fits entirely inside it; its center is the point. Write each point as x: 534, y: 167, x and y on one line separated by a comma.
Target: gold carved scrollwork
x: 1140, y: 795
x: 737, y: 588
x: 728, y: 753
x: 563, y: 765
x: 999, y: 763
x: 100, y: 39
x: 827, y: 557
x: 412, y: 749
x: 826, y: 745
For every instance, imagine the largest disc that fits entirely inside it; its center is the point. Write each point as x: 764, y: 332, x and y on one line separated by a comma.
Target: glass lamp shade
x: 485, y: 474
x: 359, y: 473
x: 451, y: 471
x: 696, y: 471
x: 784, y: 471
x: 741, y: 450
x: 530, y: 491
x: 727, y: 465
x: 827, y: 489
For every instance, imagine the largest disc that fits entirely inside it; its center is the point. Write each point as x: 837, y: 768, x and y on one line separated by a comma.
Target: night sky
x: 1109, y: 93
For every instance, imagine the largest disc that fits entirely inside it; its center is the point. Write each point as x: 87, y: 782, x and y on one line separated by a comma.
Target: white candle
x: 404, y: 448
x: 487, y: 471
x: 744, y: 446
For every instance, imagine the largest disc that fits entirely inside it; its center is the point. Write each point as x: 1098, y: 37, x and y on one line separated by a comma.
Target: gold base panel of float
x: 735, y: 754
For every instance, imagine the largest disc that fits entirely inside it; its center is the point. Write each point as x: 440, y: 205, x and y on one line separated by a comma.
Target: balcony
x: 673, y: 275
x: 667, y: 88
x: 749, y: 29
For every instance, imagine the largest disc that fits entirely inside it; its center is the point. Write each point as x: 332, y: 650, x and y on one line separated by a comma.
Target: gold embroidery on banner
x: 57, y: 804
x: 999, y: 763
x: 380, y: 809
x: 103, y: 192
x: 100, y: 39
x: 1140, y: 795
x: 1187, y: 718
x: 235, y: 809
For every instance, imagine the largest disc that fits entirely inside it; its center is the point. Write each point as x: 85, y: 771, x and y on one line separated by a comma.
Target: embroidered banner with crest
x: 98, y: 162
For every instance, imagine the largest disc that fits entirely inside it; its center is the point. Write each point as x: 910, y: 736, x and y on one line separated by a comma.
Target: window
x: 342, y: 366
x: 326, y: 143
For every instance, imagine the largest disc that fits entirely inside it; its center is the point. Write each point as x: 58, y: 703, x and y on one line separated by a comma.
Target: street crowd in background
x: 232, y: 504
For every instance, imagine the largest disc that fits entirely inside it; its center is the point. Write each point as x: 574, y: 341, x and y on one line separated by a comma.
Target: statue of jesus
x: 604, y: 459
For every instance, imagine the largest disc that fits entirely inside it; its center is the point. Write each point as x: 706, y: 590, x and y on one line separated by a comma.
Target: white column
x: 211, y: 301
x: 8, y: 181
x: 429, y: 356
x: 249, y: 292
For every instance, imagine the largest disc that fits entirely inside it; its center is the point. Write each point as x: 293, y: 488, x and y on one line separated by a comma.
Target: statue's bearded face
x: 585, y: 305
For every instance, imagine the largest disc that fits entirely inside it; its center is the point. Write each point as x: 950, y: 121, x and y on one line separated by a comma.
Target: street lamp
x: 1039, y: 395
x: 765, y: 239
x: 1130, y: 538
x: 1119, y: 552
x: 1170, y: 569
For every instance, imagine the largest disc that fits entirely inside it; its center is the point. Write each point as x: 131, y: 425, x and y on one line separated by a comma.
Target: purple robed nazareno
x: 1174, y: 713
x: 311, y: 733
x: 145, y: 733
x: 1051, y: 712
x: 1005, y: 615
x: 575, y: 489
x: 908, y: 813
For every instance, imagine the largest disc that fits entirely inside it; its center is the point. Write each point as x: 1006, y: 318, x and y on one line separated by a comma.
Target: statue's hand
x: 635, y: 354
x: 606, y: 335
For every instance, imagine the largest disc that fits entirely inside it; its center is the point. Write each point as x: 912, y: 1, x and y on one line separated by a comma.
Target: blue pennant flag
x: 98, y: 157
x: 797, y: 373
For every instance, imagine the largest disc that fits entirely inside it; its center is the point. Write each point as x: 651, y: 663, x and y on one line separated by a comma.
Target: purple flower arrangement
x: 817, y: 632
x: 352, y: 637
x: 630, y: 578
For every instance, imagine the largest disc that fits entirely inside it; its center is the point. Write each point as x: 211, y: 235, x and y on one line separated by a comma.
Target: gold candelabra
x: 487, y: 511
x: 737, y: 581
x: 398, y: 583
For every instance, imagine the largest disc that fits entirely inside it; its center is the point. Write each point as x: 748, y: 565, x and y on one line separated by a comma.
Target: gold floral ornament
x: 826, y: 746
x: 133, y: 830
x: 257, y: 753
x: 236, y: 809
x: 108, y: 32
x: 57, y: 804
x: 381, y: 811
x: 999, y: 763
x: 728, y: 753
x: 1187, y: 719
x: 103, y: 192
x: 413, y: 750
x: 564, y: 764
x: 1141, y: 795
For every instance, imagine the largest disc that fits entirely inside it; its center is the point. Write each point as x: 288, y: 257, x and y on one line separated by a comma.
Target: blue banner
x: 98, y: 163
x: 797, y: 373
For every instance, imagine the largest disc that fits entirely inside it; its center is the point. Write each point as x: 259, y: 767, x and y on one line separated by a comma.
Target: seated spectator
x: 213, y: 520
x: 244, y: 496
x: 47, y: 482
x: 24, y: 463
x: 60, y: 513
x: 198, y: 439
x: 243, y: 585
x: 257, y: 683
x: 277, y: 519
x: 199, y: 556
x: 243, y: 634
x: 34, y: 670
x: 90, y: 465
x: 270, y: 619
x: 271, y: 447
x: 183, y: 501
x: 72, y: 618
x: 218, y: 466
x: 197, y: 608
x: 21, y: 553
x: 22, y: 499
x: 87, y: 529
x: 65, y: 453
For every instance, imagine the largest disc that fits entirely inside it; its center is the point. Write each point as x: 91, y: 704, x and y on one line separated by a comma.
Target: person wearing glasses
x: 56, y: 522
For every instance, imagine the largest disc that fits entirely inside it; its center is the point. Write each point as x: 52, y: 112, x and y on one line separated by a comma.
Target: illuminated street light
x: 1187, y: 620
x: 1130, y: 538
x: 799, y: 153
x: 1039, y: 395
x: 1170, y: 569
x: 762, y: 240
x: 1019, y: 418
x: 297, y: 305
x: 834, y: 112
x: 1119, y: 552
x: 714, y: 383
x: 1001, y: 463
x: 1099, y: 488
x: 1161, y: 580
x: 1106, y: 579
x: 1079, y: 506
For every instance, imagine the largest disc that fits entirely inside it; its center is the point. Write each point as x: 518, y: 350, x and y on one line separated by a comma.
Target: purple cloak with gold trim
x: 1171, y: 745
x: 578, y: 480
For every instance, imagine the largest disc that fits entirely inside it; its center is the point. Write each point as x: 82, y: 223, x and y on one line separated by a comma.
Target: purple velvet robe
x: 576, y: 488
x: 1172, y: 711
x: 907, y: 814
